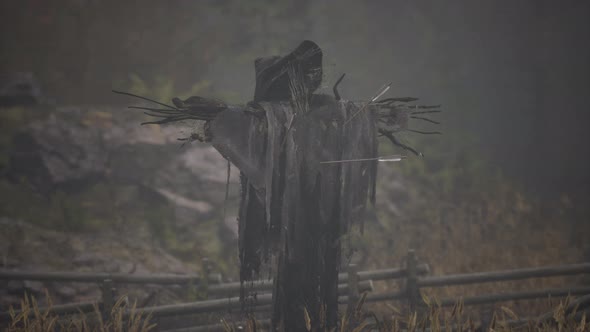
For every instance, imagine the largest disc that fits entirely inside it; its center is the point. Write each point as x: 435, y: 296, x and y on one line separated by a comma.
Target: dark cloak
x: 272, y: 78
x: 295, y: 210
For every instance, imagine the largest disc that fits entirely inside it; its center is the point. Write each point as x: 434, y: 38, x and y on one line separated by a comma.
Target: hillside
x: 87, y: 189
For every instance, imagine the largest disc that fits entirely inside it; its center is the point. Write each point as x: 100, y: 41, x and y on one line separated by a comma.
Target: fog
x: 512, y: 79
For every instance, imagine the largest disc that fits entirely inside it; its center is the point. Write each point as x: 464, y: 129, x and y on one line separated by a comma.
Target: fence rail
x: 385, y: 274
x: 352, y: 283
x: 482, y: 277
x: 119, y: 278
x: 525, y: 295
x: 372, y: 275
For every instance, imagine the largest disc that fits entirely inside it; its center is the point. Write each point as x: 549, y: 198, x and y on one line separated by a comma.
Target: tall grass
x: 565, y: 317
x: 122, y: 318
x: 461, y: 216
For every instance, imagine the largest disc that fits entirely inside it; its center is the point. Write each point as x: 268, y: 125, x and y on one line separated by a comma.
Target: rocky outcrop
x: 73, y: 148
x: 29, y: 247
x: 19, y: 88
x: 131, y: 187
x: 89, y: 189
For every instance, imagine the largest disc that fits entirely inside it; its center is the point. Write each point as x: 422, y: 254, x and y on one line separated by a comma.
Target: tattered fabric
x: 294, y: 208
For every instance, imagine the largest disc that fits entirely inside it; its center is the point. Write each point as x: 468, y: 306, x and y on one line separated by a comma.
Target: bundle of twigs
x: 193, y: 108
x: 394, y: 114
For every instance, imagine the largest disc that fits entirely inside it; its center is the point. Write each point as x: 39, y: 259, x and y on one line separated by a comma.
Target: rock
x: 92, y: 296
x: 15, y: 287
x: 183, y: 202
x: 144, y: 180
x: 86, y: 259
x: 35, y: 287
x: 206, y: 163
x: 78, y: 288
x: 66, y: 292
x: 231, y: 224
x: 19, y: 89
x: 75, y: 148
x: 10, y: 301
x: 98, y: 252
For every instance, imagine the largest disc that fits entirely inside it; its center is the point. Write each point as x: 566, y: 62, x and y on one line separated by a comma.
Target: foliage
x: 13, y: 119
x: 461, y: 215
x: 458, y: 318
x: 164, y: 88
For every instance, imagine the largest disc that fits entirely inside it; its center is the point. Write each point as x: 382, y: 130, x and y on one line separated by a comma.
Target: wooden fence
x: 223, y: 297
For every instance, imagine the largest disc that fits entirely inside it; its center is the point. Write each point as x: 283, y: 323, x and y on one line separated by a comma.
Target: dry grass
x: 123, y: 318
x: 464, y: 218
x: 563, y: 318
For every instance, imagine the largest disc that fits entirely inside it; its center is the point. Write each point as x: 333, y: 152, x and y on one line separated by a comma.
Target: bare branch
x: 170, y: 119
x: 425, y: 132
x: 395, y: 141
x: 427, y: 112
x: 144, y: 98
x: 157, y: 110
x: 398, y: 99
x: 424, y: 119
x: 335, y: 89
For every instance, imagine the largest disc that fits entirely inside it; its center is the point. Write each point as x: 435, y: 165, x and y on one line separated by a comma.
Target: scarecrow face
x: 274, y: 73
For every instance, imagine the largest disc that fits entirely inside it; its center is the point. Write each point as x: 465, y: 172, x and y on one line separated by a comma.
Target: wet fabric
x: 294, y: 209
x: 272, y: 77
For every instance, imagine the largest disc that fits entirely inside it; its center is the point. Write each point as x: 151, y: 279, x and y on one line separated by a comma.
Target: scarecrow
x: 308, y: 166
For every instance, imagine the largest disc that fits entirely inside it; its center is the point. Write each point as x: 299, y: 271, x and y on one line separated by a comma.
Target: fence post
x: 353, y: 287
x: 206, y: 268
x: 412, y: 290
x: 108, y: 298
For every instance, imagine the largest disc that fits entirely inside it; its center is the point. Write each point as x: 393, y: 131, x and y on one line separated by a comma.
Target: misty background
x: 514, y: 77
x: 506, y: 185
